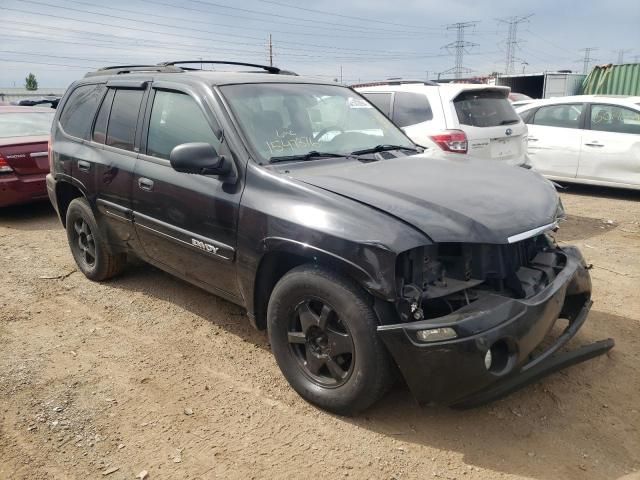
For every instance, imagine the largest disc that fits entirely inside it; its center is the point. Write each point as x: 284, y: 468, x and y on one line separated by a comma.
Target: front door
x: 555, y: 139
x: 186, y: 223
x: 611, y: 146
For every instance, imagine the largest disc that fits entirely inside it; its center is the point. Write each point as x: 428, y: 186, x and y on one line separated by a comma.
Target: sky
x: 352, y: 40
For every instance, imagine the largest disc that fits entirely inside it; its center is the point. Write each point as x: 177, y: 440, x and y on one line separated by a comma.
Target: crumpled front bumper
x: 453, y: 372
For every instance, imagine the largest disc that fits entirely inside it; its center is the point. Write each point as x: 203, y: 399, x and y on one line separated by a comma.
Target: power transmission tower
x: 460, y: 47
x: 586, y: 61
x: 621, y: 53
x: 512, y: 39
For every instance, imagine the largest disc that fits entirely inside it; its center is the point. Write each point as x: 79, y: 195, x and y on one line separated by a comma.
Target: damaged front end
x: 474, y: 316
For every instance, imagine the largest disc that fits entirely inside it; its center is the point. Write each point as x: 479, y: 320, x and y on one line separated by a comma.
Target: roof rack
x: 172, y: 67
x: 394, y: 81
x: 268, y: 68
x: 122, y: 69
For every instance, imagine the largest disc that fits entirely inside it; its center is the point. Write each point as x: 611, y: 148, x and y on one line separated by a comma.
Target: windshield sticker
x: 355, y: 102
x: 287, y: 139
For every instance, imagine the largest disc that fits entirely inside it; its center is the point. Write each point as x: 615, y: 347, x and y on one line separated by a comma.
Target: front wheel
x: 322, y: 331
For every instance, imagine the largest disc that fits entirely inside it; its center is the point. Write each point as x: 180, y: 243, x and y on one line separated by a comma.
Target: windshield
x: 284, y: 119
x: 25, y: 124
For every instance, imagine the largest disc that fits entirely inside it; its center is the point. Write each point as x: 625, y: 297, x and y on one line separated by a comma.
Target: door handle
x: 532, y: 139
x: 594, y: 144
x: 145, y: 184
x: 84, y: 166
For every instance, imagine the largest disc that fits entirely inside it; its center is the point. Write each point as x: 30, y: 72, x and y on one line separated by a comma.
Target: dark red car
x: 24, y: 159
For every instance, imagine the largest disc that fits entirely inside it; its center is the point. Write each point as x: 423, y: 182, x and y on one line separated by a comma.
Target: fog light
x: 436, y: 334
x: 488, y: 359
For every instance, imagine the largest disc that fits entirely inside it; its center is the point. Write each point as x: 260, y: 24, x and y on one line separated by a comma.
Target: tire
x: 313, y: 315
x: 87, y: 244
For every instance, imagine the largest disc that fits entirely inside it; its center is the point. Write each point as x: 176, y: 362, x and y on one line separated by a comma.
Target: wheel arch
x: 66, y: 192
x: 282, y: 255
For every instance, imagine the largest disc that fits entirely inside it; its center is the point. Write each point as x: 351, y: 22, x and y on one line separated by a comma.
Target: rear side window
x: 100, y: 128
x: 484, y: 108
x: 121, y: 131
x: 411, y: 108
x: 380, y: 100
x: 612, y: 118
x: 563, y: 116
x: 80, y: 109
x: 176, y: 118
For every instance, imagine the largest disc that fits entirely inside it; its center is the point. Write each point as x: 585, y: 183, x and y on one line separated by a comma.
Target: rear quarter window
x: 380, y: 100
x: 80, y: 109
x: 410, y: 109
x: 484, y: 109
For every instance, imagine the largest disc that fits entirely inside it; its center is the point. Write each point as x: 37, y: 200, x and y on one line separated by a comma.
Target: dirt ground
x: 146, y: 372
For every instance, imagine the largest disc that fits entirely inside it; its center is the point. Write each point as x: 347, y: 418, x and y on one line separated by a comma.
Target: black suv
x: 300, y: 201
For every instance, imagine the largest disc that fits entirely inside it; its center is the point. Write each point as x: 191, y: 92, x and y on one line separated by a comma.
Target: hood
x: 450, y: 198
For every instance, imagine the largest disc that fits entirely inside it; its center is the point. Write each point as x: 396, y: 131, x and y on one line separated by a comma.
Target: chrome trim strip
x: 531, y: 233
x: 38, y: 154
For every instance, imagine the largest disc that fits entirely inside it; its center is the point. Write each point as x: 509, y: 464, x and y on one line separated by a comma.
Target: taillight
x: 451, y: 141
x: 50, y: 150
x: 4, y: 166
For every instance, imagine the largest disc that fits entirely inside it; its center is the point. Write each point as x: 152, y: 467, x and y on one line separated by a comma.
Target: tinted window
x: 411, y: 108
x: 100, y: 128
x: 611, y: 118
x: 79, y: 111
x: 176, y: 118
x: 484, y: 108
x: 25, y: 124
x: 380, y: 100
x: 121, y: 132
x: 564, y: 116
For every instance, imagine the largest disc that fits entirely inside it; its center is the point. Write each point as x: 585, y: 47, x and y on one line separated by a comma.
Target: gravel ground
x: 147, y: 373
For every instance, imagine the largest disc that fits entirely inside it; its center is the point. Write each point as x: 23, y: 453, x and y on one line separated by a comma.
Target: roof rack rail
x: 121, y: 69
x: 394, y: 81
x: 268, y: 68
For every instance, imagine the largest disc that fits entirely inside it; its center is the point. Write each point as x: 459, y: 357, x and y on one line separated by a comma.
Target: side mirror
x: 199, y: 158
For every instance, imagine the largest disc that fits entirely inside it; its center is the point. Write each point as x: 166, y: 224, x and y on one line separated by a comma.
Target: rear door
x: 116, y: 138
x: 555, y: 138
x: 186, y: 223
x: 611, y: 145
x: 493, y: 128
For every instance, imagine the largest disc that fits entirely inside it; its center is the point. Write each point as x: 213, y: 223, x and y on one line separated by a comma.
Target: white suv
x: 460, y: 118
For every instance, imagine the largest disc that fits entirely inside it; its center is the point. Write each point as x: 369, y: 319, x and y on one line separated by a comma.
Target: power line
x: 512, y: 40
x: 460, y: 47
x: 587, y: 58
x: 621, y: 53
x: 368, y: 20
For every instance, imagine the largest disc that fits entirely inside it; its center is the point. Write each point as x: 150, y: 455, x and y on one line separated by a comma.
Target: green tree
x: 30, y: 83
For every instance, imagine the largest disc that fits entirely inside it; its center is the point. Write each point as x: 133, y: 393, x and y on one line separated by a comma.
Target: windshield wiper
x: 384, y: 148
x: 306, y: 156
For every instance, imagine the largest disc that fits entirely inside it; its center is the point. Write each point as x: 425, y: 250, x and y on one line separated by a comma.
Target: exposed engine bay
x: 436, y: 280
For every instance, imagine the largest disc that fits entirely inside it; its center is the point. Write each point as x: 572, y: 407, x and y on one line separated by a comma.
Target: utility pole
x: 586, y: 61
x: 340, y: 73
x: 512, y: 40
x: 460, y: 46
x: 621, y: 53
x: 270, y: 52
x: 524, y: 65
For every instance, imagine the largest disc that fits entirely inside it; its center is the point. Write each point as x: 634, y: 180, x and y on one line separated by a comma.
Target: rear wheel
x: 322, y: 331
x: 87, y: 244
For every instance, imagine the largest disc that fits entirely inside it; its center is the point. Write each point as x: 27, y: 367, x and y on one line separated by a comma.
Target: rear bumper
x: 453, y: 372
x: 16, y: 189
